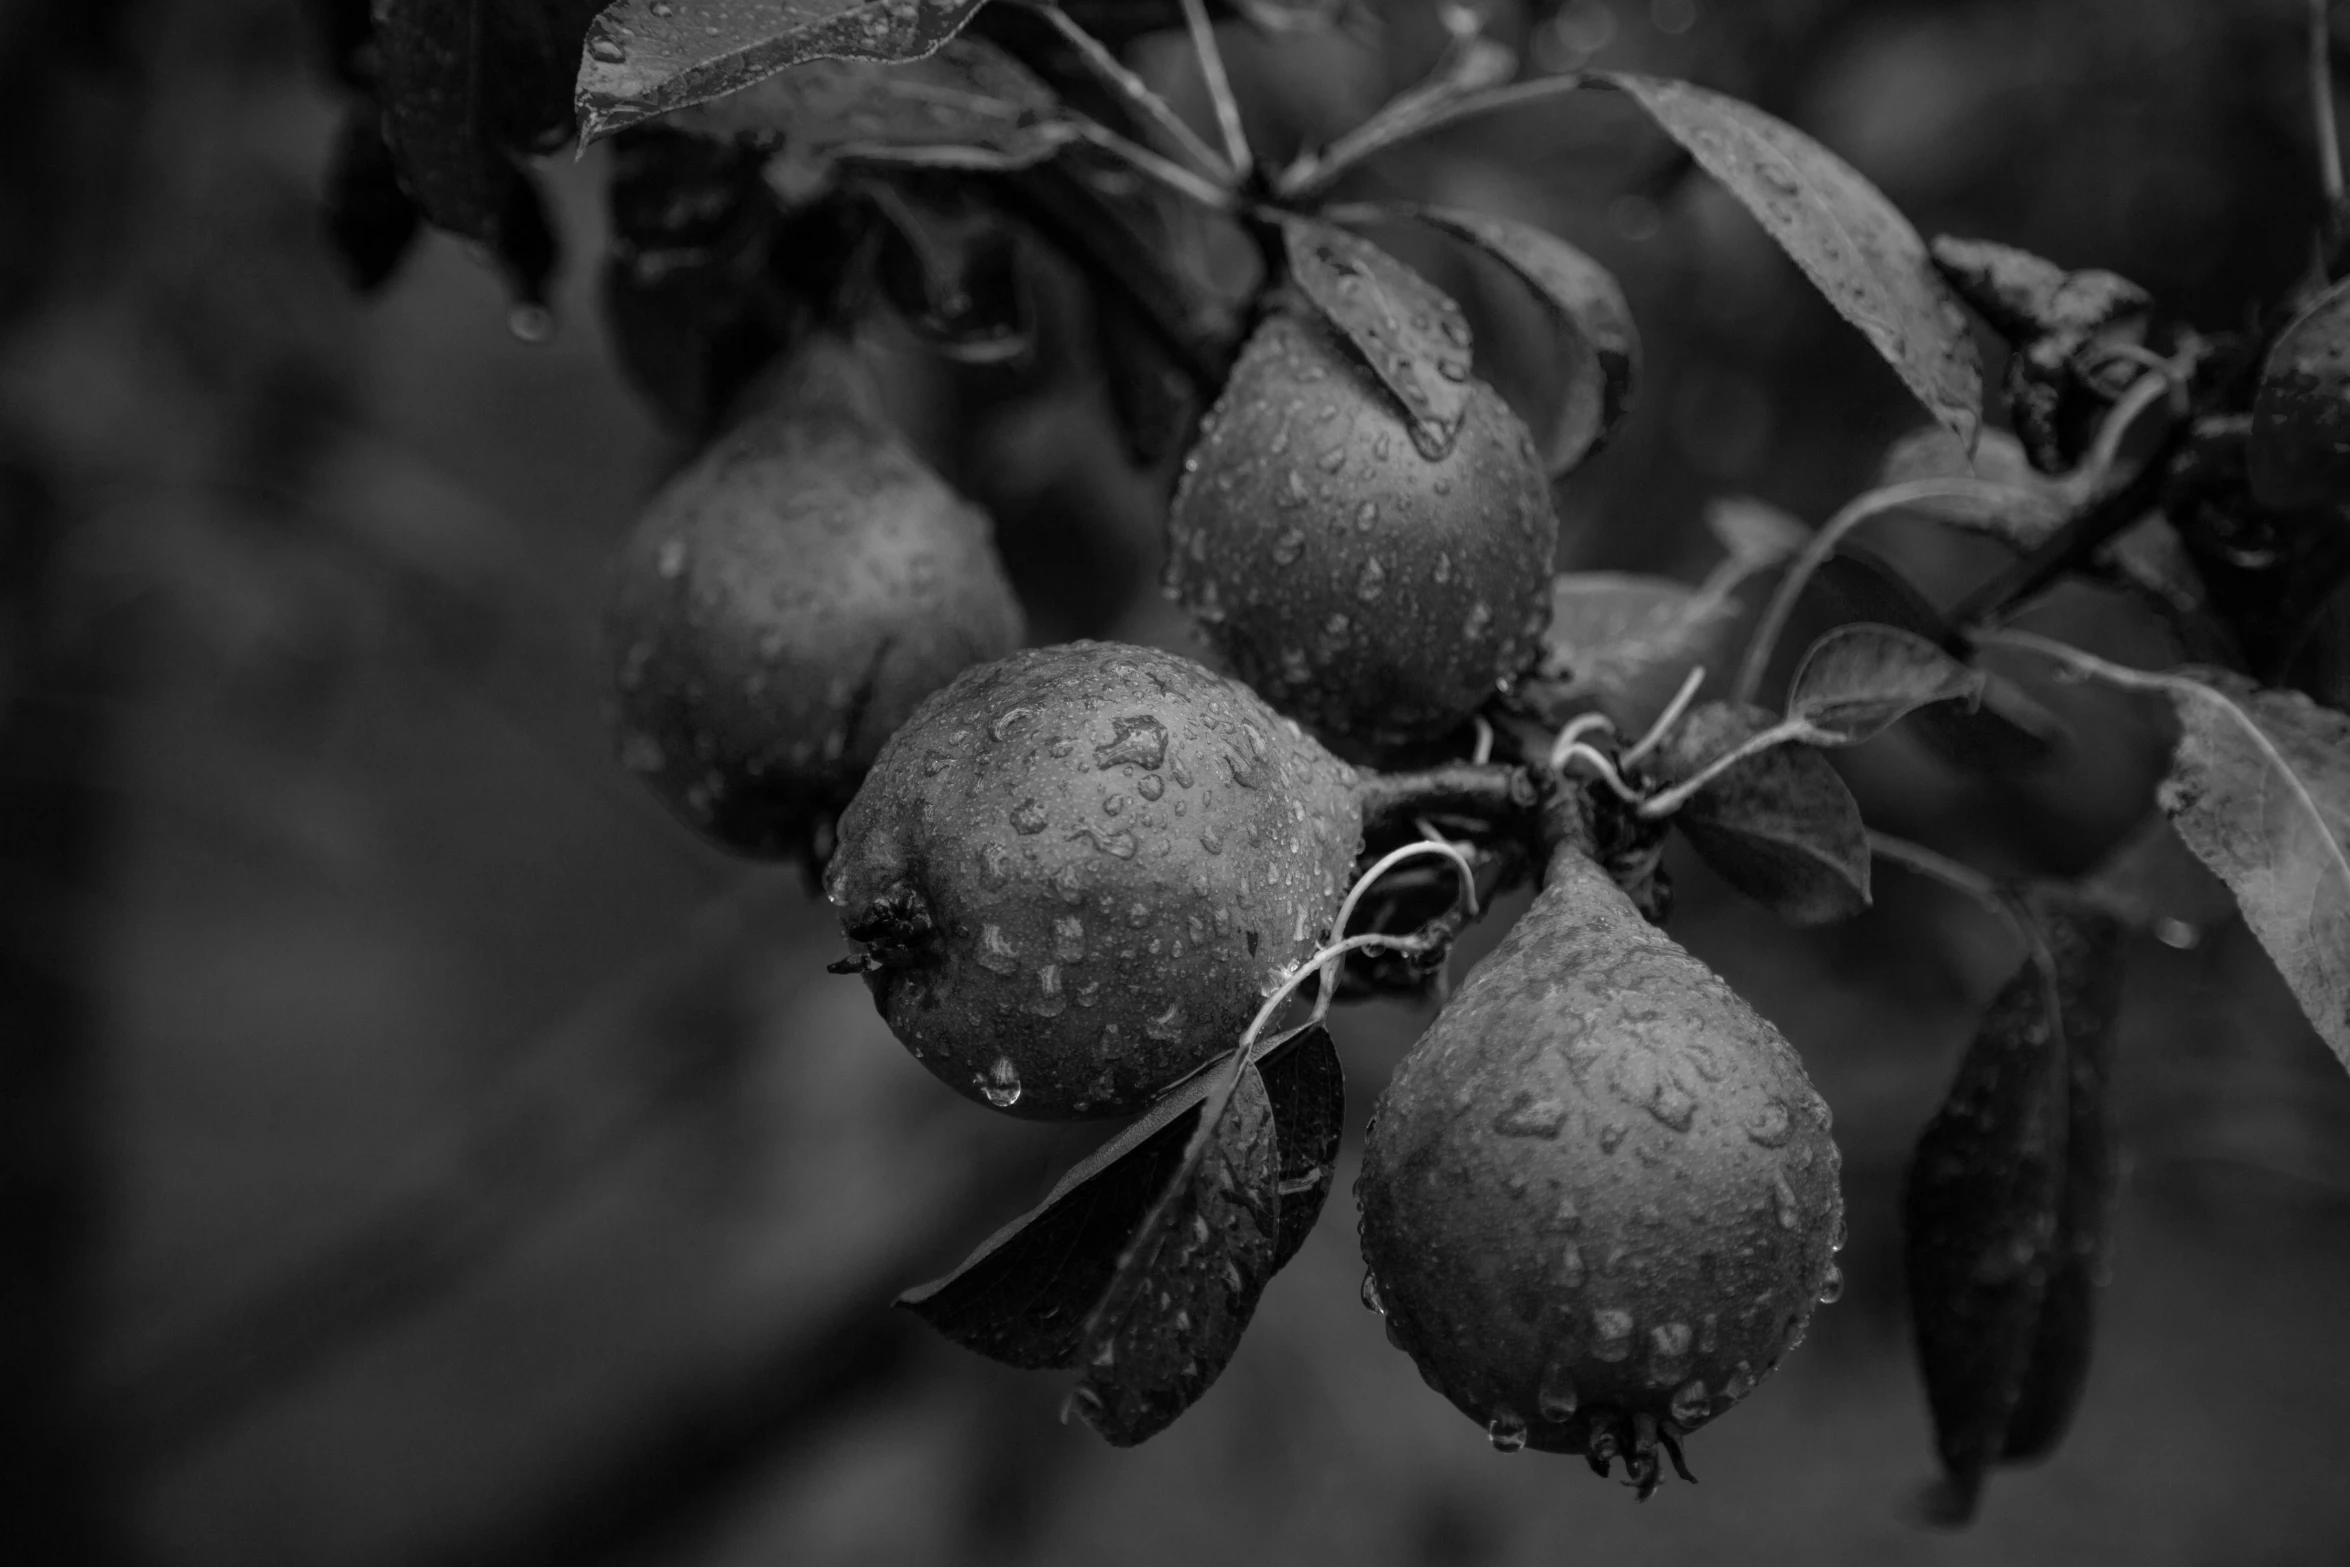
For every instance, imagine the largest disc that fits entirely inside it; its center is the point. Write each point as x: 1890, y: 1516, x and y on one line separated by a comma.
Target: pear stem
x: 1492, y: 792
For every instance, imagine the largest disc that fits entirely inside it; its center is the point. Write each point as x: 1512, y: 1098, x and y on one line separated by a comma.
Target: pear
x: 1599, y: 1198
x: 1076, y: 873
x: 785, y: 601
x: 1374, y: 593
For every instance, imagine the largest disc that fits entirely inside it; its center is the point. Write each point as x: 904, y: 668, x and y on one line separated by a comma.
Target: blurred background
x: 415, y: 1148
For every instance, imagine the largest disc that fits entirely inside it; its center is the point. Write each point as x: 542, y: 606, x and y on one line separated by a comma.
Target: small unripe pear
x: 1077, y: 873
x: 786, y: 600
x: 1599, y: 1198
x: 1371, y: 591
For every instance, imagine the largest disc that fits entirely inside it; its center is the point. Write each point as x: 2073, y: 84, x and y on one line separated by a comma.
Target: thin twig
x: 2321, y: 109
x: 1166, y: 171
x: 1314, y: 174
x: 1135, y: 92
x: 1211, y: 67
x: 1788, y: 731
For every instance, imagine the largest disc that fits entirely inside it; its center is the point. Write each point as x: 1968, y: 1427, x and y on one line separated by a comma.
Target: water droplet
x: 1832, y: 1287
x: 1506, y: 1432
x: 1114, y: 804
x: 530, y: 322
x: 1082, y: 1404
x: 1528, y: 1114
x: 1167, y: 1026
x: 1288, y: 547
x: 995, y: 863
x: 995, y: 952
x: 1611, y: 1335
x: 1690, y: 1405
x: 1371, y: 582
x: 1611, y: 1136
x: 1770, y: 1125
x: 1141, y: 740
x: 1571, y: 1267
x: 641, y: 753
x: 1370, y: 1293
x: 1005, y: 722
x: 1555, y: 1395
x: 1668, y: 1353
x: 1069, y: 939
x: 1670, y: 1103
x: 1150, y: 786
x: 1783, y: 1199
x: 1028, y: 818
x: 607, y: 50
x: 1002, y: 1085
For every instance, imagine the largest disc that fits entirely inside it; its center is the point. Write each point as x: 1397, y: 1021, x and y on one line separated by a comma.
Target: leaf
x: 2086, y: 943
x: 468, y: 87
x: 1024, y: 1295
x: 1859, y: 680
x: 1292, y: 16
x: 687, y: 293
x: 970, y: 106
x: 1413, y: 337
x: 1307, y: 1087
x: 1628, y: 640
x: 1188, y: 1282
x: 370, y: 219
x: 1852, y: 243
x: 2259, y: 788
x: 1780, y: 826
x: 650, y: 57
x: 2298, y: 451
x: 1603, y: 346
x: 2010, y: 732
x: 1980, y: 1220
x: 2037, y: 509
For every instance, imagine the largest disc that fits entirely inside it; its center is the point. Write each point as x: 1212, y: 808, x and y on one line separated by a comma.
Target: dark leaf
x: 1150, y: 396
x: 1188, y: 1281
x: 1411, y: 334
x: 1852, y: 243
x: 1859, y: 680
x: 1307, y: 1088
x: 1628, y: 641
x: 650, y: 57
x: 2010, y: 732
x: 1780, y: 826
x: 690, y: 304
x: 1980, y: 1214
x: 369, y: 218
x: 2299, y: 448
x: 1603, y: 347
x: 2086, y: 943
x: 952, y: 267
x: 970, y: 106
x: 469, y: 87
x: 1023, y: 1297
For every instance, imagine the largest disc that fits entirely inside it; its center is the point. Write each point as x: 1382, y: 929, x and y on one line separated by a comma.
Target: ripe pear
x: 1372, y: 592
x: 1599, y: 1198
x: 785, y: 601
x: 1077, y: 872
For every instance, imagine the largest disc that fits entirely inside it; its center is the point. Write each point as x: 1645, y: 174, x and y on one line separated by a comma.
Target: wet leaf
x: 468, y: 88
x: 2037, y: 508
x: 1853, y: 244
x: 1602, y: 345
x: 2086, y: 943
x: 1292, y: 16
x: 2259, y: 788
x: 1024, y: 1295
x: 651, y: 57
x: 970, y: 106
x: 369, y: 218
x: 1188, y: 1281
x: 1859, y: 680
x: 1410, y: 333
x: 1980, y: 1213
x: 2299, y: 448
x: 1780, y: 826
x: 1307, y: 1088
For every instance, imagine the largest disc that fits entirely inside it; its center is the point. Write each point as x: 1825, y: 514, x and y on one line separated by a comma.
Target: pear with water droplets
x: 1370, y: 590
x: 1076, y: 873
x: 786, y: 600
x: 1599, y: 1197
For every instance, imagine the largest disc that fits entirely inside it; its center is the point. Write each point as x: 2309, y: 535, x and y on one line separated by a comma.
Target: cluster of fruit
x: 1599, y: 1200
